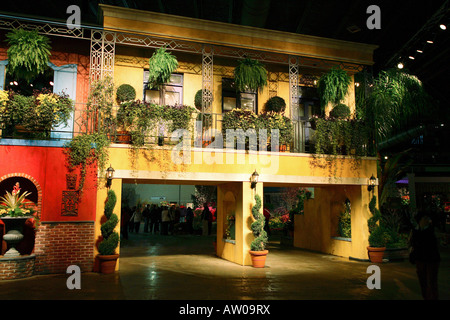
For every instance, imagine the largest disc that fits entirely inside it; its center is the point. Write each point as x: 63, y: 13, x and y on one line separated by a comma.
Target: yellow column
x: 240, y: 198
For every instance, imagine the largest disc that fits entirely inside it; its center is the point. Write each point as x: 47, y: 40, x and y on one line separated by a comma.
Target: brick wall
x: 16, y: 268
x: 61, y: 244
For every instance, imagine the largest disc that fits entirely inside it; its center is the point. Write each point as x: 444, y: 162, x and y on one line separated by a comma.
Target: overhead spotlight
x: 419, y: 51
x: 411, y: 57
x: 430, y: 41
x: 443, y: 26
x: 400, y: 65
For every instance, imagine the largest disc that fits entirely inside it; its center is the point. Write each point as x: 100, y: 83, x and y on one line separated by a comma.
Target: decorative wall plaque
x: 69, y: 205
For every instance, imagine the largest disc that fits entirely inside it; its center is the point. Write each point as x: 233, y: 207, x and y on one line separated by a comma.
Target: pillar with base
x: 237, y: 198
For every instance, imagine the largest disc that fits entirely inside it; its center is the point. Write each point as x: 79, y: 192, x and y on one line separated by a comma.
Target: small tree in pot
x: 258, y: 246
x: 378, y: 235
x: 107, y: 247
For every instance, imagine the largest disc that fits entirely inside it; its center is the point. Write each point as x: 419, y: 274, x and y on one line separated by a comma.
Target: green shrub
x: 125, y: 92
x: 340, y: 111
x: 275, y: 104
x: 260, y: 241
x: 198, y: 99
x: 378, y: 234
x: 110, y: 237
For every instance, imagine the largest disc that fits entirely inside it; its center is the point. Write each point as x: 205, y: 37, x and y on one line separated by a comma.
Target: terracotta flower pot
x: 108, y: 263
x: 376, y: 254
x: 259, y: 258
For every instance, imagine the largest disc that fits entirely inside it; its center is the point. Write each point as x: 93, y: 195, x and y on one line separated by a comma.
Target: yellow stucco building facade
x: 231, y: 170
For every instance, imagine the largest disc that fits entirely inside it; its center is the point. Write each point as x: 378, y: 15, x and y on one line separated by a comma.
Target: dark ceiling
x: 405, y: 25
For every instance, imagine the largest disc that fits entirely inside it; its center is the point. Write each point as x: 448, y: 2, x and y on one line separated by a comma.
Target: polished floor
x: 184, y: 267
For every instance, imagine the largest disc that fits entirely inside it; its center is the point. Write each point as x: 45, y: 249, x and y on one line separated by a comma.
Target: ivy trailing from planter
x: 250, y: 75
x: 111, y: 238
x: 260, y: 241
x: 336, y: 137
x: 28, y: 53
x: 161, y: 66
x: 85, y: 150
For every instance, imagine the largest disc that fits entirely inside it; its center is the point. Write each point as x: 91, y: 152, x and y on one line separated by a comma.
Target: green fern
x: 333, y: 86
x: 28, y: 53
x: 161, y: 65
x: 250, y: 75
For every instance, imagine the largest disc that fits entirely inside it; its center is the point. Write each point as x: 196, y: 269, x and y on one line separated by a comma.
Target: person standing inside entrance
x: 165, y: 220
x: 425, y: 254
x: 206, y: 220
x: 190, y: 220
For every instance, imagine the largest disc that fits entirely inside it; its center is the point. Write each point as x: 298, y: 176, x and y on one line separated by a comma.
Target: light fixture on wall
x: 254, y: 179
x: 109, y: 176
x: 372, y: 181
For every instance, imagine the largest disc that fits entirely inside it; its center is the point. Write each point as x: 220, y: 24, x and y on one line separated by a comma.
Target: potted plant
x: 250, y: 75
x: 28, y: 53
x: 35, y: 116
x: 15, y: 209
x: 161, y: 66
x: 110, y: 238
x: 378, y: 236
x: 258, y: 250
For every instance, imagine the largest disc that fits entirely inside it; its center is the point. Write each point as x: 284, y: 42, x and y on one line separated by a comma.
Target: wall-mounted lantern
x: 109, y: 176
x: 372, y: 181
x: 254, y: 179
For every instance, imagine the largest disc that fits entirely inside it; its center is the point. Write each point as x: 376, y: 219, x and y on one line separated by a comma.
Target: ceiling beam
x: 255, y: 12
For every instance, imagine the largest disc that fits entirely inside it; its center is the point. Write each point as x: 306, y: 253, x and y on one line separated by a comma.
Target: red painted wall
x: 48, y: 166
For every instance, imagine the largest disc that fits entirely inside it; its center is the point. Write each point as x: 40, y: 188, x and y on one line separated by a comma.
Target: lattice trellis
x: 273, y: 78
x: 293, y: 85
x: 207, y: 78
x: 103, y: 45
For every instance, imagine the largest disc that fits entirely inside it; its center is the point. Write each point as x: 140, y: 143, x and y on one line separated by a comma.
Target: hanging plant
x: 333, y: 86
x: 161, y: 65
x: 250, y: 75
x: 28, y: 53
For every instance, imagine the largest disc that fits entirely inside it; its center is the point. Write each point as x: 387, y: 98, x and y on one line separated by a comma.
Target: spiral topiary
x: 110, y: 237
x: 260, y: 241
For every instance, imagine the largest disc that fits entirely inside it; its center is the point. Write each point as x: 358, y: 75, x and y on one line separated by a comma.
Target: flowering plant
x: 14, y: 204
x: 229, y: 232
x: 37, y: 113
